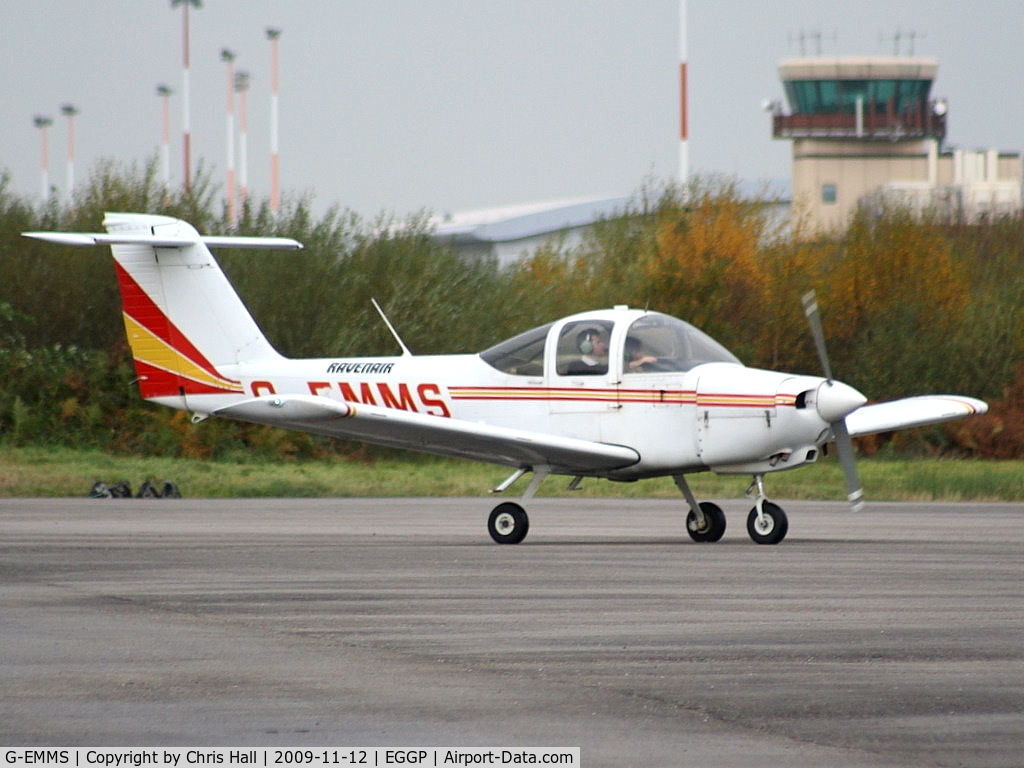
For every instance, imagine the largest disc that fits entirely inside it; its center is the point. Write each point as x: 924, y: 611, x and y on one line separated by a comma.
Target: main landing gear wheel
x: 508, y: 523
x: 770, y: 527
x: 714, y: 523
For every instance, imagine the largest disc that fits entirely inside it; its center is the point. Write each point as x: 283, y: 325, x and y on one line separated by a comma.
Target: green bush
x: 910, y: 304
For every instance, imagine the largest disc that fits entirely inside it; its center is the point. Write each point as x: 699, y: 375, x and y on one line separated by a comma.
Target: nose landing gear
x: 767, y: 522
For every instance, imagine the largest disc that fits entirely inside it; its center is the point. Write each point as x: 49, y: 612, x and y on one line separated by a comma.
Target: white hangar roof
x: 519, y: 222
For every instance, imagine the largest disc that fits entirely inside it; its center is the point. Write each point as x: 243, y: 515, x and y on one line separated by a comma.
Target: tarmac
x: 889, y: 637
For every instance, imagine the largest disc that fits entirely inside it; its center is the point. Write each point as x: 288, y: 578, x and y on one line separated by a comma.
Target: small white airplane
x: 622, y: 394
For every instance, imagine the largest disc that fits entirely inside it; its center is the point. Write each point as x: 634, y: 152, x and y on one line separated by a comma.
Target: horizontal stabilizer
x: 911, y: 412
x: 435, y: 434
x: 161, y: 241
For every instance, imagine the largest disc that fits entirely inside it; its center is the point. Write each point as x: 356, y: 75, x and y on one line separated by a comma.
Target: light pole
x: 272, y: 35
x: 242, y: 88
x: 228, y: 57
x: 69, y: 111
x: 186, y: 118
x: 164, y: 92
x: 42, y: 122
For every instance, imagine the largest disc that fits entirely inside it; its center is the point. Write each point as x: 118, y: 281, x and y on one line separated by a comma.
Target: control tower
x: 868, y: 125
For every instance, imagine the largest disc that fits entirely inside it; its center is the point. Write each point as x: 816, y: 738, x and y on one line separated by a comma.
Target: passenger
x: 593, y: 349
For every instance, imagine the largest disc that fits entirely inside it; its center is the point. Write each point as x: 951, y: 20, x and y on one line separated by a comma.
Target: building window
x: 828, y: 193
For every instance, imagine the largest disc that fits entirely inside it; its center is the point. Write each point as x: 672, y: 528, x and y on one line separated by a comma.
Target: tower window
x: 829, y: 193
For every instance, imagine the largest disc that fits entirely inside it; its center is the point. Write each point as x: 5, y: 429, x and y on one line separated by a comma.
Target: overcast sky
x: 449, y: 105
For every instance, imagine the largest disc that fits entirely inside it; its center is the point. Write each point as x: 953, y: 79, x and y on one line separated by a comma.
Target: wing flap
x: 912, y: 412
x: 432, y: 434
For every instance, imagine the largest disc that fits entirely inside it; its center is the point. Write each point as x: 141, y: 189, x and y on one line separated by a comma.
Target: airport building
x: 868, y: 128
x: 865, y: 130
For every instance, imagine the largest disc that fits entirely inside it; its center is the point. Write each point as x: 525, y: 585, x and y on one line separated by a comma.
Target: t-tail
x: 188, y: 329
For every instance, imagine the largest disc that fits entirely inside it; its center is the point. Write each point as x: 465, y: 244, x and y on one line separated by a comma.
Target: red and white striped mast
x: 164, y: 92
x: 186, y: 121
x: 242, y: 88
x: 69, y: 111
x: 43, y: 123
x: 275, y: 196
x: 684, y: 153
x: 228, y: 57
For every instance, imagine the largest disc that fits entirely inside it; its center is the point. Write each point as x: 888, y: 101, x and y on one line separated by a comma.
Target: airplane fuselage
x: 720, y: 416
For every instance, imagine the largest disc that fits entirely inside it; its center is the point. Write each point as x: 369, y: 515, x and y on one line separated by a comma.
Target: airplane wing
x: 911, y: 412
x: 433, y: 434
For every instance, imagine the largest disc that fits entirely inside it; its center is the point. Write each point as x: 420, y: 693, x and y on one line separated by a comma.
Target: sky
x: 406, y: 106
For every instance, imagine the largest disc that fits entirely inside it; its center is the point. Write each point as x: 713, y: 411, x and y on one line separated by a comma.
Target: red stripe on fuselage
x: 603, y: 394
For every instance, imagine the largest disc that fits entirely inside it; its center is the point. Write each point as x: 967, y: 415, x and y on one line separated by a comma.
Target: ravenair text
x: 360, y: 368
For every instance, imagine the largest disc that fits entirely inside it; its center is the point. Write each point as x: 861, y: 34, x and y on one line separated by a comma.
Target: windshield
x: 658, y: 342
x: 522, y: 355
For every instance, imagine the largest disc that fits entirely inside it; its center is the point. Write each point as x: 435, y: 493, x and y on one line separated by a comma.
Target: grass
x: 56, y: 472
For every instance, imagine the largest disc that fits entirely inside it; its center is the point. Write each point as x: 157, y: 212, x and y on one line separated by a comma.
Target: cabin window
x: 522, y: 355
x: 583, y: 348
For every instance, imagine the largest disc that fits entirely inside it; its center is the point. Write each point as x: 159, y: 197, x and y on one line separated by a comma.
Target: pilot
x: 593, y: 349
x: 636, y: 360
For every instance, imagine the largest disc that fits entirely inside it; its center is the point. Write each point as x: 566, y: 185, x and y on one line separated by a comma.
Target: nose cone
x: 835, y: 400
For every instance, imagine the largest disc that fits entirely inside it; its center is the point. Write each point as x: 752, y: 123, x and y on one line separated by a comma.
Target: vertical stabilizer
x: 187, y: 327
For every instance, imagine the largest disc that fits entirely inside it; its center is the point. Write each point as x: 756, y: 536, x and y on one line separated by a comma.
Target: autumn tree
x: 895, y: 294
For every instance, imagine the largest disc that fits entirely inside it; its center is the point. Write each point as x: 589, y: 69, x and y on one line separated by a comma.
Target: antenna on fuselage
x: 405, y: 349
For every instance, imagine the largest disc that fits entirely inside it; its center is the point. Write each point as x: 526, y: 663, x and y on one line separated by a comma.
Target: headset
x: 585, y: 340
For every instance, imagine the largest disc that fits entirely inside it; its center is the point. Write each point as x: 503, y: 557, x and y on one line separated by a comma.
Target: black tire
x: 714, y: 523
x: 772, y: 529
x: 147, y: 491
x: 508, y: 523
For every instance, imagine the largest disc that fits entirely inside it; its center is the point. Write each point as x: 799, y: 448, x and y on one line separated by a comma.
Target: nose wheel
x: 769, y: 526
x: 767, y: 522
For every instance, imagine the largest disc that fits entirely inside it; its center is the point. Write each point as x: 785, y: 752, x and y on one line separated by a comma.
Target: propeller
x: 835, y: 400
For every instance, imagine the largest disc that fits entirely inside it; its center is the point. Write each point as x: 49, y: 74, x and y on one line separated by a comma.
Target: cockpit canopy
x: 662, y: 342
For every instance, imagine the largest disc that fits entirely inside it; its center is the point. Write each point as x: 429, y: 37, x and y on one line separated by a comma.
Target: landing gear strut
x: 767, y: 522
